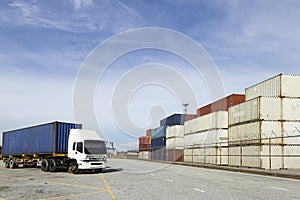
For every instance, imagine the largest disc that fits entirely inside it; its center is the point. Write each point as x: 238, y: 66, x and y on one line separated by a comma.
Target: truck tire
x: 12, y: 164
x: 7, y: 163
x: 45, y: 165
x: 74, y: 167
x: 52, y: 165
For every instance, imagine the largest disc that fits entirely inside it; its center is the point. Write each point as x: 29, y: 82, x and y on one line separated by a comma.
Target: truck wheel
x: 98, y: 170
x: 74, y: 167
x: 45, y: 165
x: 12, y: 163
x: 7, y: 163
x: 52, y: 165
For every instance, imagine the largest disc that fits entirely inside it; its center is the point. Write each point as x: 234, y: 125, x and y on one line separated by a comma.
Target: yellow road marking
x: 81, y: 186
x: 71, y: 195
x: 108, y: 188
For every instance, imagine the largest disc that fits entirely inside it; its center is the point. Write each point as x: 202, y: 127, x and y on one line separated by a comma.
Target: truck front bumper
x: 92, y: 165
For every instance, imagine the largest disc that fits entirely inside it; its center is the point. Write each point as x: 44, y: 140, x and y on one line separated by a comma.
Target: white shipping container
x: 291, y: 129
x: 254, y: 132
x: 291, y: 109
x: 175, y: 131
x: 261, y: 108
x: 234, y: 158
x: 205, y: 138
x: 282, y: 85
x: 144, y: 155
x: 256, y: 156
x: 292, y: 157
x: 215, y: 120
x: 175, y: 143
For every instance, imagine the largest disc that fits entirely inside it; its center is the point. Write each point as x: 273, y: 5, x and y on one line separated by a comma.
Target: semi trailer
x: 55, y: 146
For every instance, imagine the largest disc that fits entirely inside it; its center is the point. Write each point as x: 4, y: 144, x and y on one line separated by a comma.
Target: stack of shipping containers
x: 175, y: 143
x: 211, y: 127
x: 271, y: 110
x: 145, y: 145
x: 158, y: 141
x: 201, y: 136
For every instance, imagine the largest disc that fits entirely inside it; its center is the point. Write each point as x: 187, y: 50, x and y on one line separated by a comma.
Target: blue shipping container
x: 176, y: 119
x: 158, y: 142
x: 42, y: 139
x: 159, y: 132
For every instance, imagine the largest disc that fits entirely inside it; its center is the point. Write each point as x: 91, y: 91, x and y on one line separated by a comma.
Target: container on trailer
x: 221, y: 105
x: 51, y: 138
x: 282, y: 85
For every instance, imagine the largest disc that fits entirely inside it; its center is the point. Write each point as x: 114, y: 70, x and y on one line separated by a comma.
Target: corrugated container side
x: 159, y: 132
x: 282, y: 85
x: 261, y: 108
x: 267, y: 88
x: 234, y: 158
x: 175, y: 155
x: 158, y: 154
x: 221, y: 105
x: 158, y: 142
x: 175, y: 143
x: 144, y: 147
x: 291, y: 129
x: 188, y: 117
x: 175, y: 131
x: 292, y: 157
x: 291, y: 109
x: 254, y: 132
x: 42, y: 139
x: 148, y: 132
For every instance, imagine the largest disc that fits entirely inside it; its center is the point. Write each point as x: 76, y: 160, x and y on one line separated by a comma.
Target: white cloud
x: 81, y: 3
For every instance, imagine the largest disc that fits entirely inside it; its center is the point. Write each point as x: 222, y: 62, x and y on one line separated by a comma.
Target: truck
x: 55, y: 146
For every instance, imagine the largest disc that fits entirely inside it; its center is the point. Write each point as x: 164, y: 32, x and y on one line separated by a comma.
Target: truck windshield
x: 94, y: 147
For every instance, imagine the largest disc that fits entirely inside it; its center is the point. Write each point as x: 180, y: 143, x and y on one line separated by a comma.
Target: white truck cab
x: 86, y: 150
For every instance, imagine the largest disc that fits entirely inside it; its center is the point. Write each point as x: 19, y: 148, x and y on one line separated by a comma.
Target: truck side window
x: 74, y: 145
x: 80, y: 147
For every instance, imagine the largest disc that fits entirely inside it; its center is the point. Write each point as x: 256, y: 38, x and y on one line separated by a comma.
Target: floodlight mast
x: 185, y: 107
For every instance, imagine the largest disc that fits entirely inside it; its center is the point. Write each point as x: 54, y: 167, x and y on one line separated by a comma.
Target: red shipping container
x: 145, y: 140
x: 175, y: 155
x: 148, y: 132
x: 188, y: 117
x: 144, y: 147
x: 222, y: 104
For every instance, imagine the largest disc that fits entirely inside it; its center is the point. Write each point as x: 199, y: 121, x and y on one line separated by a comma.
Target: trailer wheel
x: 12, y: 163
x: 45, y: 165
x: 7, y: 163
x: 52, y: 165
x: 74, y: 167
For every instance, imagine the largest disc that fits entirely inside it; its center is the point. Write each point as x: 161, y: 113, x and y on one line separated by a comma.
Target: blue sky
x: 43, y: 44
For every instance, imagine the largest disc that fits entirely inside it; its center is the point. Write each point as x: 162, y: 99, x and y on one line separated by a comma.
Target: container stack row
x: 202, y: 134
x: 259, y: 127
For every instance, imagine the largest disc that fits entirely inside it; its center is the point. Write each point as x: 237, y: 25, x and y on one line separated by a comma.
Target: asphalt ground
x: 137, y: 179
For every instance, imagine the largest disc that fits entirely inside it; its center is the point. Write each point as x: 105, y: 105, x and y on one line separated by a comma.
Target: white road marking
x: 278, y: 188
x: 199, y: 190
x: 199, y: 174
x: 228, y: 179
x: 169, y: 180
x: 151, y: 174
